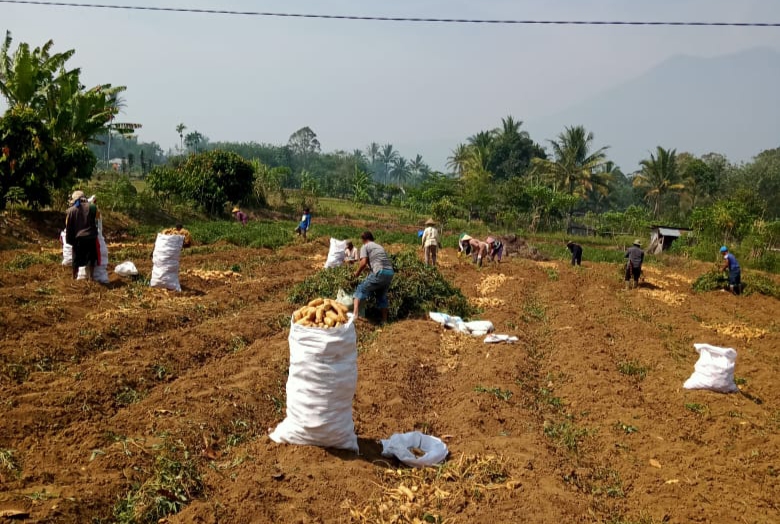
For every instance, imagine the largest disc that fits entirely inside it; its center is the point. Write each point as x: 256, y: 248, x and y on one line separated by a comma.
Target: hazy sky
x: 252, y: 78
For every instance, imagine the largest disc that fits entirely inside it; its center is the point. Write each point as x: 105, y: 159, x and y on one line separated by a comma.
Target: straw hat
x: 76, y: 196
x: 430, y: 222
x: 637, y: 242
x: 235, y: 210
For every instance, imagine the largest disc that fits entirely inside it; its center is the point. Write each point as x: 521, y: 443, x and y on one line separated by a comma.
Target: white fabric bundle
x: 320, y: 388
x: 337, y: 253
x: 165, y: 272
x: 67, y: 250
x: 400, y: 444
x: 714, y: 369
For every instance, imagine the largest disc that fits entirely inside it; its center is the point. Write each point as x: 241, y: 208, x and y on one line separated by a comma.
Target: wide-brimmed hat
x: 235, y: 210
x: 430, y: 222
x: 637, y: 242
x: 76, y: 196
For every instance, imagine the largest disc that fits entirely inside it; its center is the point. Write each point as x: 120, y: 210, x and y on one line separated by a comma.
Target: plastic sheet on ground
x: 401, y: 445
x: 477, y: 328
x: 714, y: 369
x: 498, y: 339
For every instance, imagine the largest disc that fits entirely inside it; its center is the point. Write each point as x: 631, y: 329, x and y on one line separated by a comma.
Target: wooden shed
x: 662, y: 238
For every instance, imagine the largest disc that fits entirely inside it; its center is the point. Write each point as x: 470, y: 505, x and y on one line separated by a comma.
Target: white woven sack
x: 399, y: 445
x: 320, y: 388
x: 714, y: 369
x: 336, y: 254
x: 67, y: 251
x: 165, y: 271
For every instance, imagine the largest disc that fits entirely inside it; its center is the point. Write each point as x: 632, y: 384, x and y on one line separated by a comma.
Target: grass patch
x: 8, y: 461
x: 552, y: 274
x: 416, y: 289
x: 699, y: 409
x: 634, y: 369
x: 500, y: 394
x: 128, y: 396
x: 534, y: 311
x: 566, y: 435
x: 25, y: 261
x: 173, y: 482
x: 437, y: 494
x: 625, y: 428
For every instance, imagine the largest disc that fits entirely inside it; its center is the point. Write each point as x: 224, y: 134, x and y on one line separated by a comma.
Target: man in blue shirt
x: 731, y: 265
x: 305, y: 224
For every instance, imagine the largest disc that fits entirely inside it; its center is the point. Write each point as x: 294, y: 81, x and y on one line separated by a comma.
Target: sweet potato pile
x: 321, y: 313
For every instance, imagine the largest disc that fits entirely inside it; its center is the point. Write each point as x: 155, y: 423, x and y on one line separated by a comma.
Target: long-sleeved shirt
x: 241, y: 217
x: 80, y: 222
x: 576, y: 249
x: 430, y: 237
x: 635, y: 257
x: 305, y: 222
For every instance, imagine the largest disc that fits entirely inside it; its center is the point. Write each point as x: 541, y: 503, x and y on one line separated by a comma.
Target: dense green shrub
x: 416, y: 289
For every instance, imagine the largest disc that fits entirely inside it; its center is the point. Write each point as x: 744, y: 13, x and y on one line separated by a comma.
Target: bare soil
x: 587, y: 411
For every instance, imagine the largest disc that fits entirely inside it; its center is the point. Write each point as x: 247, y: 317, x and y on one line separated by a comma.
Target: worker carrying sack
x: 714, y: 370
x: 165, y: 272
x: 337, y: 253
x: 320, y: 388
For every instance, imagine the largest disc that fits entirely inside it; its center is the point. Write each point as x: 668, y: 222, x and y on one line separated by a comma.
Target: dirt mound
x: 515, y: 246
x: 123, y: 402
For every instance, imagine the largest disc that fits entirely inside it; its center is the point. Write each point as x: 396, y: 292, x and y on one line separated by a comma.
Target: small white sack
x: 165, y: 272
x: 398, y: 446
x: 320, y: 388
x: 714, y: 369
x: 67, y: 251
x: 126, y: 269
x: 344, y: 298
x: 477, y: 328
x: 497, y: 339
x: 337, y: 254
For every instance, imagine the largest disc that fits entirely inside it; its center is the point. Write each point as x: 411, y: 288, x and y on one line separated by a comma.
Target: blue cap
x: 724, y: 249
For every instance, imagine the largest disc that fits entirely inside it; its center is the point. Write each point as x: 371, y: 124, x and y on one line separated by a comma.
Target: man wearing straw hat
x: 81, y: 232
x: 240, y: 216
x: 635, y: 257
x: 430, y: 242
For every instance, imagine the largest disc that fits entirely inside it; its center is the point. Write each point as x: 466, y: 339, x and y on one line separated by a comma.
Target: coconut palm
x: 482, y: 140
x: 659, y: 176
x: 457, y: 160
x: 401, y: 171
x: 575, y: 167
x: 418, y: 167
x: 180, y: 129
x: 387, y: 156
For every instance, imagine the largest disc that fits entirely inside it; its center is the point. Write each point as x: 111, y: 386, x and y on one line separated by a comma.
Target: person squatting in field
x: 431, y: 243
x: 576, y: 253
x: 635, y: 257
x: 240, y: 216
x: 351, y: 254
x: 81, y: 232
x: 477, y: 249
x: 373, y: 258
x: 305, y: 224
x: 495, y: 249
x: 731, y: 265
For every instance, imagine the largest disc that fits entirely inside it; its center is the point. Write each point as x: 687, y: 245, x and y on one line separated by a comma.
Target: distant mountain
x: 727, y: 104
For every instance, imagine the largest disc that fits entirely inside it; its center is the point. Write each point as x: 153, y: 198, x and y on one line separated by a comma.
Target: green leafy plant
x: 694, y: 407
x: 566, y: 434
x: 633, y: 368
x: 500, y: 394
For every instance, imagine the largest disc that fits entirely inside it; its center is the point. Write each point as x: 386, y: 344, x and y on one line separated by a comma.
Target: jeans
x: 377, y: 284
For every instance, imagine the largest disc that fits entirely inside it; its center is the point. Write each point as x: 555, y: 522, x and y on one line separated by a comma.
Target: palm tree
x: 509, y: 126
x: 418, y: 167
x: 457, y: 160
x: 401, y: 171
x: 180, y: 129
x: 659, y: 176
x: 574, y: 167
x: 387, y: 156
x: 482, y: 140
x: 372, y: 152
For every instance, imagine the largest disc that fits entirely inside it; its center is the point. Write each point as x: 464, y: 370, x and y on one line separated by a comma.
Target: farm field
x: 122, y: 401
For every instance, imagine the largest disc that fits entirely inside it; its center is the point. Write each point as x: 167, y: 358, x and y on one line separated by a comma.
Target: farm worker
x: 471, y: 246
x: 186, y: 234
x: 81, y: 232
x: 464, y: 246
x: 240, y: 216
x: 374, y: 258
x: 635, y: 257
x: 351, y: 255
x: 731, y: 265
x: 495, y: 249
x: 576, y: 253
x: 430, y: 242
x: 305, y: 224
